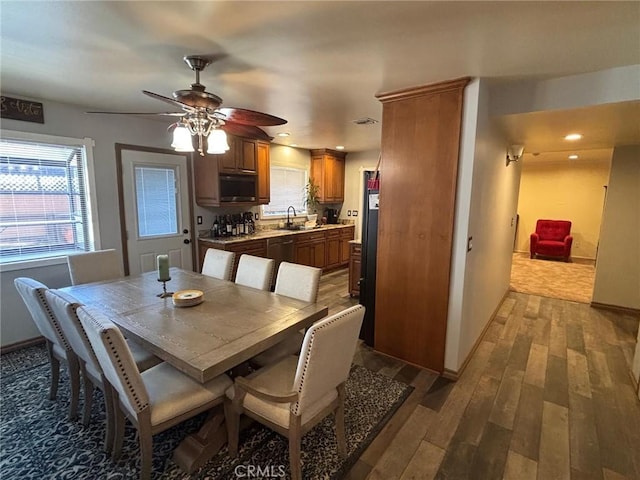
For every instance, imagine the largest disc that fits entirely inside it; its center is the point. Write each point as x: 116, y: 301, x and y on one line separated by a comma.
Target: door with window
x: 157, y: 209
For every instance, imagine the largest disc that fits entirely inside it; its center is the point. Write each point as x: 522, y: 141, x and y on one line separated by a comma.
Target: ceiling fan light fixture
x: 182, y: 139
x: 217, y: 142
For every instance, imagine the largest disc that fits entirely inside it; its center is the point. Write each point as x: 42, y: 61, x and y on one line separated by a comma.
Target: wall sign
x: 24, y: 110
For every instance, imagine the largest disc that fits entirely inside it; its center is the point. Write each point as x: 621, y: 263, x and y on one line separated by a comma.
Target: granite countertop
x: 356, y: 242
x: 263, y: 234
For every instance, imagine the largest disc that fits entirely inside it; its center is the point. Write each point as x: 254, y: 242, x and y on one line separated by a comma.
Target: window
x: 156, y: 201
x: 287, y: 188
x: 44, y: 197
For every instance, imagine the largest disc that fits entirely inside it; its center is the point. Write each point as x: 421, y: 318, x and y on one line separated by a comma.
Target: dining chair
x: 295, y: 394
x: 94, y: 266
x: 154, y: 400
x: 58, y: 347
x: 218, y: 264
x: 64, y: 308
x: 255, y: 272
x: 296, y: 281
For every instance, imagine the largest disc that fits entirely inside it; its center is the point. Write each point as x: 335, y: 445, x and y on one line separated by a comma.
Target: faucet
x: 289, y: 223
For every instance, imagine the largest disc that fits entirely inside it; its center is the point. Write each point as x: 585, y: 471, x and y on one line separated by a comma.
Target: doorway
x: 154, y: 187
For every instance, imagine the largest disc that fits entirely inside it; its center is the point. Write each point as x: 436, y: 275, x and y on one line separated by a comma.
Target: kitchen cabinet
x: 257, y: 248
x: 327, y: 171
x: 346, y: 235
x: 241, y: 156
x: 264, y: 173
x: 355, y: 267
x: 207, y: 185
x: 310, y: 249
x: 334, y: 248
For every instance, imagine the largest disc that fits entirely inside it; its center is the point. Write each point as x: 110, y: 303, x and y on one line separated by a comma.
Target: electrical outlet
x: 355, y: 213
x: 348, y: 213
x: 199, y: 220
x: 257, y: 217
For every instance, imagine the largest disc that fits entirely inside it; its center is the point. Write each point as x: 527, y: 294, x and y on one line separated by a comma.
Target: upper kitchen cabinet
x: 327, y: 171
x: 264, y: 173
x: 241, y: 156
x: 207, y: 182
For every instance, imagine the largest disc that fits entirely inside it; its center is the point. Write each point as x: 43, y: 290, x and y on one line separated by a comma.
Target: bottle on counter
x: 216, y: 228
x: 229, y: 225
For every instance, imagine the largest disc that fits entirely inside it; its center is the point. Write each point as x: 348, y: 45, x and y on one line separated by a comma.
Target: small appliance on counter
x: 332, y: 215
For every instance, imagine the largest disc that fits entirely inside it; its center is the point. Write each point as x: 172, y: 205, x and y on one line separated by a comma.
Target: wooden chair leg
x: 232, y: 419
x: 118, y: 427
x: 339, y: 417
x: 88, y: 400
x: 145, y: 440
x: 110, y: 426
x: 74, y: 378
x: 294, y: 447
x: 55, y: 372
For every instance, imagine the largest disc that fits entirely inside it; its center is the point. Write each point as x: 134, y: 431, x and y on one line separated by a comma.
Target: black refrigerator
x: 369, y: 251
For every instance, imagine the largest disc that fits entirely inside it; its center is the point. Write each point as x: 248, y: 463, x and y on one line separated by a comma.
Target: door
x: 156, y: 209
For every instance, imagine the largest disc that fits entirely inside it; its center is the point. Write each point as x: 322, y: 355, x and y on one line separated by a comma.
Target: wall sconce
x: 514, y: 152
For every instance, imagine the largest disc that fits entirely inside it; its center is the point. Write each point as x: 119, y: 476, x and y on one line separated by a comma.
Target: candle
x: 163, y: 268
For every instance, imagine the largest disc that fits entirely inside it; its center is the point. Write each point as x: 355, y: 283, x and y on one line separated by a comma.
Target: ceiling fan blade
x: 171, y: 101
x: 171, y: 114
x: 250, y: 117
x: 242, y: 130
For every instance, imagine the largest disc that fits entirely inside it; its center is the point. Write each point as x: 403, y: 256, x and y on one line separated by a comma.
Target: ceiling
x: 318, y: 64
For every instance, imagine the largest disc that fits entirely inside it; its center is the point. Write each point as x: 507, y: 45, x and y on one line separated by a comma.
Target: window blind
x: 287, y: 188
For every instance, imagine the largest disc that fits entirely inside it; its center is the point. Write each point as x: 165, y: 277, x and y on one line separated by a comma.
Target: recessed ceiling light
x: 573, y: 136
x: 293, y: 145
x: 339, y: 147
x: 284, y: 134
x: 573, y: 157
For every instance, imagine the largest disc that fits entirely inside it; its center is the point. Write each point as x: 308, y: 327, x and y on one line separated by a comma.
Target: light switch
x: 348, y: 213
x: 355, y: 213
x: 199, y: 220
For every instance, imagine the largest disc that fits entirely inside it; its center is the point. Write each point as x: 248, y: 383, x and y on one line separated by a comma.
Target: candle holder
x: 164, y: 293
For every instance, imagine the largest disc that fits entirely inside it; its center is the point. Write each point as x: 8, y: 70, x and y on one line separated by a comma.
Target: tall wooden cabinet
x: 327, y: 171
x: 420, y: 142
x: 264, y: 173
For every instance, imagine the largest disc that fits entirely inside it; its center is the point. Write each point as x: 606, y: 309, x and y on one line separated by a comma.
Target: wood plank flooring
x: 546, y: 395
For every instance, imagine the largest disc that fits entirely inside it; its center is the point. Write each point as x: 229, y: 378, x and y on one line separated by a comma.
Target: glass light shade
x: 182, y: 140
x: 217, y: 142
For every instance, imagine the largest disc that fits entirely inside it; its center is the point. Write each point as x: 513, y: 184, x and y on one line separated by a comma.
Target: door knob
x: 186, y: 241
x: 185, y: 231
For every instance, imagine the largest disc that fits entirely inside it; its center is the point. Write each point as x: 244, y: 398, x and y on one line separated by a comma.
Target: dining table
x: 231, y: 325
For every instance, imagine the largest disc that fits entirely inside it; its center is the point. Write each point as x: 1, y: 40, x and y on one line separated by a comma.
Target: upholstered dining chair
x: 218, y: 264
x: 296, y: 281
x: 58, y: 348
x: 296, y: 393
x: 95, y: 266
x: 154, y: 400
x: 255, y: 272
x: 64, y: 308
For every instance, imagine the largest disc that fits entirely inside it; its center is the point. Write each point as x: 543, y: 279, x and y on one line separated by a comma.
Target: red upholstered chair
x: 552, y: 238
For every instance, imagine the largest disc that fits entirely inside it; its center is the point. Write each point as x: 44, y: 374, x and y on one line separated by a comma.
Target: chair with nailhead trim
x: 154, y: 400
x: 218, y: 264
x: 255, y: 272
x: 295, y: 394
x: 58, y: 348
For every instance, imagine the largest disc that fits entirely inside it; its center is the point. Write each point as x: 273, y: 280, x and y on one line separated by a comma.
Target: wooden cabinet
x: 310, y: 249
x: 264, y: 173
x: 207, y: 183
x: 327, y: 171
x: 346, y: 235
x: 241, y: 156
x: 257, y: 248
x: 355, y: 268
x: 333, y: 249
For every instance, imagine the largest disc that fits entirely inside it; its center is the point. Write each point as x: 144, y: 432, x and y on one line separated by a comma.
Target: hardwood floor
x: 546, y: 395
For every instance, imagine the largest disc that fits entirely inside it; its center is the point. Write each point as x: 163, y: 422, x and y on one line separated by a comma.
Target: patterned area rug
x: 37, y: 440
x: 552, y: 278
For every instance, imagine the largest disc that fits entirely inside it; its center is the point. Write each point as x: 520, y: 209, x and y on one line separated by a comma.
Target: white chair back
x: 298, y: 281
x: 115, y: 358
x: 64, y: 308
x: 95, y: 266
x: 326, y: 356
x: 255, y: 272
x: 32, y: 292
x: 218, y: 264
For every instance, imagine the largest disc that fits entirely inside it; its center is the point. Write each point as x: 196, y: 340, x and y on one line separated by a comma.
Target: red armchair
x: 552, y: 238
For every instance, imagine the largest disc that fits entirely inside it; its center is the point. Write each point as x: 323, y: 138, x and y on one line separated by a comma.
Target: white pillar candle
x: 163, y: 268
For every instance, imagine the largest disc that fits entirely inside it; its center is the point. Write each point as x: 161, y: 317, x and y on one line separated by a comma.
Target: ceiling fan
x: 203, y: 116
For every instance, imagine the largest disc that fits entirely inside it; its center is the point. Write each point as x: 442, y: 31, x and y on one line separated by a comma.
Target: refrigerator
x: 369, y: 250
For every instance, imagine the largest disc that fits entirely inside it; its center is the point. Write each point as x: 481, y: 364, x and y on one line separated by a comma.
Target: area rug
x: 37, y: 440
x: 552, y: 278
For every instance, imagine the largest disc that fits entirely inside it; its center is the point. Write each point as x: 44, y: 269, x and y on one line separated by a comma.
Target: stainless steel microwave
x: 238, y: 188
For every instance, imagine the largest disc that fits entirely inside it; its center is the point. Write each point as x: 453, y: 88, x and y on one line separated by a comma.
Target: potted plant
x: 310, y: 200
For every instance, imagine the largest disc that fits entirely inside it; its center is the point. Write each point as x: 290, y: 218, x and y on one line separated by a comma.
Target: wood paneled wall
x: 420, y: 143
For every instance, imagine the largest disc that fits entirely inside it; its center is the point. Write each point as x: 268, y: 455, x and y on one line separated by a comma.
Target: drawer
x: 356, y: 249
x: 336, y: 232
x: 310, y: 237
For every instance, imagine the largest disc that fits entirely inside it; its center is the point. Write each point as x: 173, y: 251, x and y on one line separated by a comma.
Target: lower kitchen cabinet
x: 310, y: 249
x: 256, y: 248
x: 355, y: 268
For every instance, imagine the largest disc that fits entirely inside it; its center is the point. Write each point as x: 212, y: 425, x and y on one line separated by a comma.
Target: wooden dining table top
x: 233, y: 323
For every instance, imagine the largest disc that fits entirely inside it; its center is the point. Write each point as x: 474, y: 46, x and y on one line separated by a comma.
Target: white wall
x: 565, y: 190
x: 486, y: 201
x: 355, y: 166
x: 617, y: 280
x: 107, y: 130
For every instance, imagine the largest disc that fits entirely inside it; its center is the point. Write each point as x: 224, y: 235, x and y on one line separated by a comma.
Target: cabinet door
x: 227, y: 160
x: 264, y: 173
x: 317, y: 175
x: 246, y: 155
x: 344, y: 250
x: 355, y: 267
x: 319, y: 251
x: 303, y: 254
x: 205, y: 170
x: 338, y: 180
x: 333, y: 252
x: 329, y: 168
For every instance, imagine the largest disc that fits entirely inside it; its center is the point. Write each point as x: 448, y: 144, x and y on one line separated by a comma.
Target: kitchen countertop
x: 263, y: 234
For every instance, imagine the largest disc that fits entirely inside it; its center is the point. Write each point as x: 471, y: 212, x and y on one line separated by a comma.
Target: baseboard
x: 615, y: 308
x: 455, y: 375
x: 19, y: 345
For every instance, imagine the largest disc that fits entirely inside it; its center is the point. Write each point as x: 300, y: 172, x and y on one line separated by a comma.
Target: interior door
x: 156, y: 209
